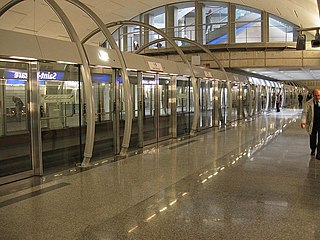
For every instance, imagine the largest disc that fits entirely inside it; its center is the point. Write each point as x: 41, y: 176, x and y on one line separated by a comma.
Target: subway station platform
x: 252, y: 180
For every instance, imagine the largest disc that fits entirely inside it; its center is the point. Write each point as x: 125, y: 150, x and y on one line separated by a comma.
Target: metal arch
x: 188, y: 41
x: 84, y: 69
x: 205, y: 50
x: 124, y: 74
x: 9, y: 5
x: 179, y: 51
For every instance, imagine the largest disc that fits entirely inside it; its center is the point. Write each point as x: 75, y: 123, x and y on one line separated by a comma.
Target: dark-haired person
x: 19, y: 107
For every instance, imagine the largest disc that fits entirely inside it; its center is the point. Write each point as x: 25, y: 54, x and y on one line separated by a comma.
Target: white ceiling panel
x: 57, y: 32
x: 287, y: 74
x: 303, y: 13
x: 11, y: 19
x: 25, y: 7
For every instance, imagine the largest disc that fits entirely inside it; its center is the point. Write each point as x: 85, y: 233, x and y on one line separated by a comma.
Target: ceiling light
x: 69, y: 63
x: 23, y: 58
x: 103, y: 55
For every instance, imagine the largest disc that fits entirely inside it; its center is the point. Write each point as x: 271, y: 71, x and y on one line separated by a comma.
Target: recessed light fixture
x: 103, y: 55
x: 23, y: 58
x: 64, y: 62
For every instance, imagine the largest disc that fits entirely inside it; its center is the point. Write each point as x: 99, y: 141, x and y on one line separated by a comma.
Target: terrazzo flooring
x: 254, y: 180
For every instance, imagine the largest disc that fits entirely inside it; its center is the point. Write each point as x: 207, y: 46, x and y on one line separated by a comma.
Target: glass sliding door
x: 156, y: 108
x: 206, y: 103
x: 15, y: 136
x: 203, y: 103
x: 235, y: 98
x: 183, y: 106
x: 103, y: 86
x: 150, y: 115
x: 135, y: 140
x: 165, y: 107
x: 223, y: 113
x: 245, y: 100
x: 210, y: 109
x: 61, y: 109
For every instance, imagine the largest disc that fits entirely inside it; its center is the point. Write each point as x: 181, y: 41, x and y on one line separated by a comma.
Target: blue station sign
x: 23, y: 75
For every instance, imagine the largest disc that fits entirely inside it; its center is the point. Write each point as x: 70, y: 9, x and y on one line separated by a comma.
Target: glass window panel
x: 249, y: 32
x: 247, y: 14
x: 156, y: 18
x: 248, y: 25
x: 133, y: 37
x: 280, y: 30
x: 215, y: 27
x: 184, y: 23
x: 116, y: 38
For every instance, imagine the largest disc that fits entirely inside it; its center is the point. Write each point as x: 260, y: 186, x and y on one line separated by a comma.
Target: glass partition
x: 133, y: 78
x: 184, y: 115
x: 165, y: 107
x: 245, y: 100
x: 149, y: 111
x: 235, y: 96
x: 263, y: 98
x: 15, y: 137
x: 206, y: 106
x: 223, y: 110
x: 103, y: 89
x: 61, y: 109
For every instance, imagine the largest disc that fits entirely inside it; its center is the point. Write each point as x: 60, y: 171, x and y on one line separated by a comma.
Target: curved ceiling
x: 36, y: 17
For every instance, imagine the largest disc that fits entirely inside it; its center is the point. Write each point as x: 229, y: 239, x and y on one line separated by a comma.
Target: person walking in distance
x: 310, y: 120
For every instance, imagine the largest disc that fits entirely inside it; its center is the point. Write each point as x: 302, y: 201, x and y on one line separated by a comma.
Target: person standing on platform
x: 309, y: 96
x: 310, y: 120
x: 278, y: 103
x: 135, y: 45
x: 300, y: 98
x: 208, y: 21
x: 19, y: 107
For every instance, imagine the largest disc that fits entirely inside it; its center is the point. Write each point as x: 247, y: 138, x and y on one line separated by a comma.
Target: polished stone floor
x: 254, y: 180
